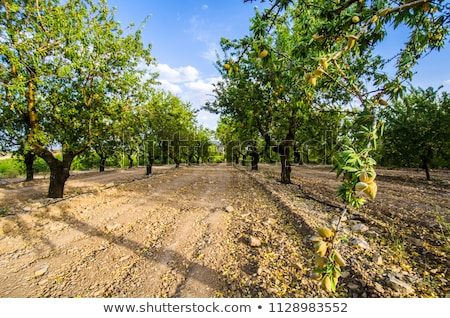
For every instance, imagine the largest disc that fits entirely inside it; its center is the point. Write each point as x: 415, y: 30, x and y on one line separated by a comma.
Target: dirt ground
x: 220, y: 231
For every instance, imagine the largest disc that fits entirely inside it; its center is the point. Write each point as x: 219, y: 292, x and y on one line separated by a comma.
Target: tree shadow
x: 164, y: 256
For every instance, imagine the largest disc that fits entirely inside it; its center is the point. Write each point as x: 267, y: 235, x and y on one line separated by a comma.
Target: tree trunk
x: 285, y: 152
x: 297, y: 157
x: 59, y: 173
x: 102, y: 164
x: 150, y: 165
x: 244, y: 158
x: 285, y: 168
x: 29, y: 160
x: 426, y: 166
x: 165, y: 152
x: 267, y: 148
x: 236, y: 159
x: 255, y: 160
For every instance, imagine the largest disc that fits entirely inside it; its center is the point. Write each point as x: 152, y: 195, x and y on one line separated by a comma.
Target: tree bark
x: 149, y: 166
x: 29, y: 160
x: 285, y: 168
x: 244, y: 158
x: 285, y: 153
x: 255, y: 160
x: 59, y: 173
x: 267, y: 148
x: 426, y: 167
x: 102, y: 164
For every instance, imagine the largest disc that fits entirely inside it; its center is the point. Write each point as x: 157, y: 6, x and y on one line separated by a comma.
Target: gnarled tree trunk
x: 59, y: 173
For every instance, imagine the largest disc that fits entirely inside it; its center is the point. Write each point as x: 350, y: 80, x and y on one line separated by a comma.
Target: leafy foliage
x: 72, y: 79
x: 417, y: 130
x: 305, y: 59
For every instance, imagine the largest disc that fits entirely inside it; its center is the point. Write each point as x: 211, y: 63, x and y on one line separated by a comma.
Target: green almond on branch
x: 315, y: 238
x: 320, y: 261
x: 371, y: 190
x: 325, y: 232
x: 367, y: 175
x: 321, y: 248
x: 318, y: 37
x: 338, y: 258
x: 316, y: 276
x: 263, y: 53
x: 384, y: 12
x: 323, y: 62
x: 351, y: 40
x: 326, y: 284
x: 361, y: 186
x: 319, y: 71
x: 382, y: 102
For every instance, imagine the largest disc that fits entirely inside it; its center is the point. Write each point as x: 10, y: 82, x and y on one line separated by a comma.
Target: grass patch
x: 13, y: 167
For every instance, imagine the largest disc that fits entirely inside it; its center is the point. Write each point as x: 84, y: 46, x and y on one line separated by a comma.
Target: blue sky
x: 185, y: 36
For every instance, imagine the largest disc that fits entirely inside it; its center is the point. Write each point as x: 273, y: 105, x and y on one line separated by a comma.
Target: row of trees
x: 310, y: 67
x: 415, y: 135
x: 72, y: 80
x: 306, y: 82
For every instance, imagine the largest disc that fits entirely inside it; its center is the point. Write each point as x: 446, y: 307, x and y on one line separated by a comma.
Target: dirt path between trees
x: 155, y: 237
x: 213, y: 231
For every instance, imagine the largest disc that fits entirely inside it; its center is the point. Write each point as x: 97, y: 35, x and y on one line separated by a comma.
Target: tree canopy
x: 304, y: 60
x: 71, y: 79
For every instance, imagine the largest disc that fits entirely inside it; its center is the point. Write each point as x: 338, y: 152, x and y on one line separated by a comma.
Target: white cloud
x: 168, y: 86
x: 177, y: 75
x: 187, y: 83
x: 205, y: 7
x: 198, y: 92
x: 200, y: 85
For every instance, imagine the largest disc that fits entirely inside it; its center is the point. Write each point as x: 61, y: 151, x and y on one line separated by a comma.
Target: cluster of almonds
x: 367, y: 184
x: 229, y: 66
x: 325, y: 255
x: 311, y: 78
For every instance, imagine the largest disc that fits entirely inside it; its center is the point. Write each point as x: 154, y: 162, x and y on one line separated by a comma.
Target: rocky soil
x: 220, y: 231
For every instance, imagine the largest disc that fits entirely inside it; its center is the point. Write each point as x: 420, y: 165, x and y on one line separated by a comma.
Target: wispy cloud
x: 210, y: 53
x: 204, y: 32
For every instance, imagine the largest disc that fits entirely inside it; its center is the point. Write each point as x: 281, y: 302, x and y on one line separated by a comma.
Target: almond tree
x: 417, y: 129
x: 325, y: 52
x: 62, y: 63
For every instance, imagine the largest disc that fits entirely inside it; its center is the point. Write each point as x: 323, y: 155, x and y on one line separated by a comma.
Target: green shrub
x: 11, y: 168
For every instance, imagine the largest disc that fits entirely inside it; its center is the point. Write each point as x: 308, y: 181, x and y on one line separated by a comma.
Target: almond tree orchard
x: 62, y: 66
x: 72, y: 81
x: 304, y: 59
